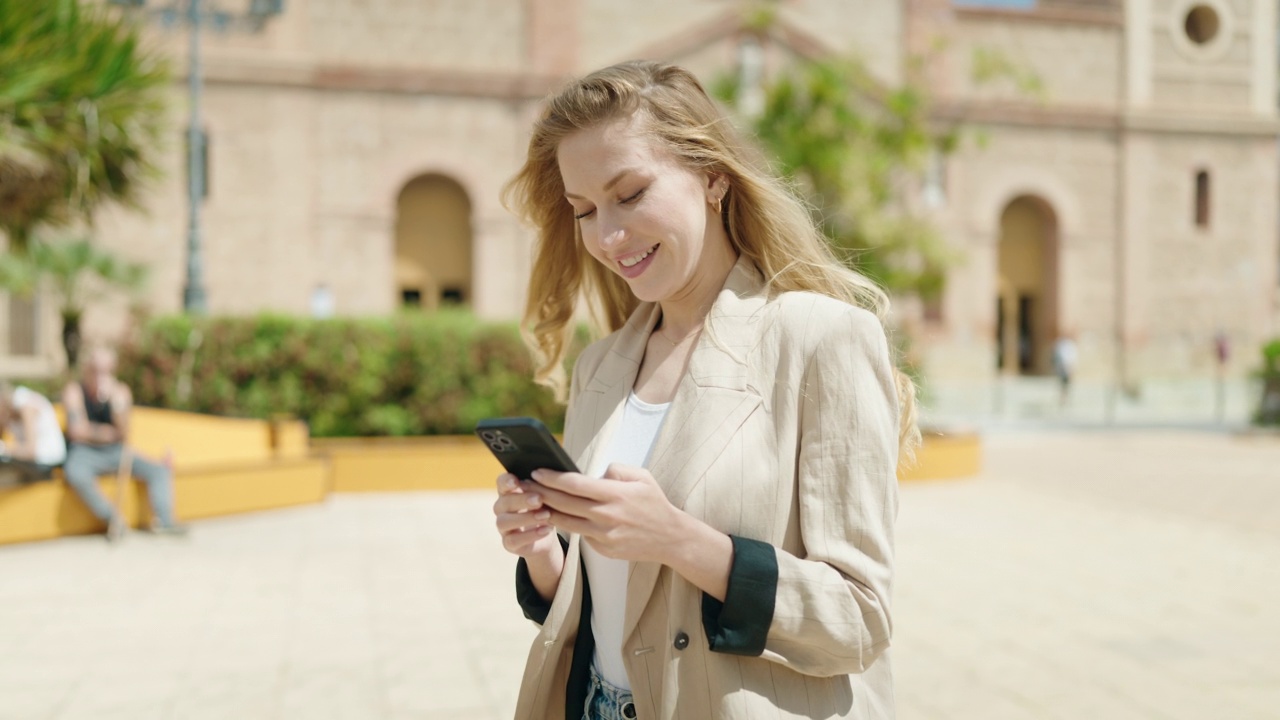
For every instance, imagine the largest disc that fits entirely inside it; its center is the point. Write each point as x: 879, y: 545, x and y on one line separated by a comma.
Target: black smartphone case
x: 522, y: 445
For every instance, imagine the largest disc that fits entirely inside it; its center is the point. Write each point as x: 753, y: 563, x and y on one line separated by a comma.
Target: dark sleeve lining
x: 740, y: 625
x: 531, y: 602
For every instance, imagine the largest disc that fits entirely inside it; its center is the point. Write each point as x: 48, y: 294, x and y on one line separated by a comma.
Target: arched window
x: 1027, y: 287
x: 433, y: 243
x: 1202, y: 198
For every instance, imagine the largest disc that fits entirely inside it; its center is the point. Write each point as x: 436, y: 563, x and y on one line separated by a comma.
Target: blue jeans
x: 607, y: 702
x: 86, y: 462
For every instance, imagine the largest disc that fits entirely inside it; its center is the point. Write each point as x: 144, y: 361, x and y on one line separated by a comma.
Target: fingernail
x: 535, y: 500
x: 545, y: 514
x: 536, y: 474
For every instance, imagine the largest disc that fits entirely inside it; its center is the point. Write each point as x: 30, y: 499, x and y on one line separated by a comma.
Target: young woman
x: 727, y: 551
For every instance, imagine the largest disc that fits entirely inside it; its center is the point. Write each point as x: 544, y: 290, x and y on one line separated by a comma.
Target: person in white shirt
x: 37, y: 445
x: 1064, y: 365
x: 322, y: 302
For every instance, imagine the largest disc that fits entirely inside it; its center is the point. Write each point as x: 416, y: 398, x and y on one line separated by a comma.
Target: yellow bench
x: 221, y: 466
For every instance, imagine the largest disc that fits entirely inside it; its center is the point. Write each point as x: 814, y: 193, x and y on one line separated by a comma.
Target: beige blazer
x: 784, y: 429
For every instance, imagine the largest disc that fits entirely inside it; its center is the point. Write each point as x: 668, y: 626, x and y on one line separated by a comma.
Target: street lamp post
x: 193, y: 296
x: 198, y: 13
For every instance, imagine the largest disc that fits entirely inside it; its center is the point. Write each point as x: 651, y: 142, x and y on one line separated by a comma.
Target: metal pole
x: 193, y: 296
x: 1119, y: 257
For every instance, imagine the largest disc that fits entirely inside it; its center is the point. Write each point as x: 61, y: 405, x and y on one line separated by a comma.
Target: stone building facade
x: 1133, y: 206
x: 361, y: 147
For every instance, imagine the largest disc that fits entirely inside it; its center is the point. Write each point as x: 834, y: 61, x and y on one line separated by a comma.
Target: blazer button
x: 682, y: 640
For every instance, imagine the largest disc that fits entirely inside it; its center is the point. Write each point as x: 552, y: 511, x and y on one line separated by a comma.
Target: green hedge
x: 1269, y: 404
x: 1271, y: 357
x: 414, y: 374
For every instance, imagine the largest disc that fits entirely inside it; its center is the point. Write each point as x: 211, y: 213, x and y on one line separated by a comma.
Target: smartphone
x: 522, y: 445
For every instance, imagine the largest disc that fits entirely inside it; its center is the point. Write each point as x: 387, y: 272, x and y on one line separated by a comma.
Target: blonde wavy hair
x: 763, y: 219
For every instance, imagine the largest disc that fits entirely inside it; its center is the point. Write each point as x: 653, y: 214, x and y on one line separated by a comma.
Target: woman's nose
x: 612, y: 234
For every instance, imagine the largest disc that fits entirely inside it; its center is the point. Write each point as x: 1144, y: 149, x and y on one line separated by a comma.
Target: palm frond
x: 81, y: 110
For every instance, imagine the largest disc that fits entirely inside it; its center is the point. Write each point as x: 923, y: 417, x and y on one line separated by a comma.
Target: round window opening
x: 1202, y: 24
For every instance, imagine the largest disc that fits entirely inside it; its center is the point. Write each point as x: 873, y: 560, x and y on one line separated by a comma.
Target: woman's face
x: 641, y: 213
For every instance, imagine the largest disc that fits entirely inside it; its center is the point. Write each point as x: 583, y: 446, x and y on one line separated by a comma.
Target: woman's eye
x: 633, y: 198
x: 583, y: 216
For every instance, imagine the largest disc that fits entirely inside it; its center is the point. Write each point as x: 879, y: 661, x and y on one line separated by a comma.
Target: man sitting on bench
x: 38, y: 445
x: 98, y: 410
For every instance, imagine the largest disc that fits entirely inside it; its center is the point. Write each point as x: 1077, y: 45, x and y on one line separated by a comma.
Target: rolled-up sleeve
x: 740, y: 624
x: 531, y: 602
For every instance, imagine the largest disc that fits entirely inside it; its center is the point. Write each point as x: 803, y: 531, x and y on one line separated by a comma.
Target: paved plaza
x: 1083, y: 575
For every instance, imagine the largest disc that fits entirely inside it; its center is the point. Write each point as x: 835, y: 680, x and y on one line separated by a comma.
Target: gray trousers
x: 86, y: 462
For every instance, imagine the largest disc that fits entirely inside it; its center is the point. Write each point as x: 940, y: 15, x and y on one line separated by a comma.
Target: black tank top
x: 98, y: 411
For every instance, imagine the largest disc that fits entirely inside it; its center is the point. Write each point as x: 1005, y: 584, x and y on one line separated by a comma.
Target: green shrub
x: 413, y: 374
x: 1269, y: 404
x: 1271, y: 357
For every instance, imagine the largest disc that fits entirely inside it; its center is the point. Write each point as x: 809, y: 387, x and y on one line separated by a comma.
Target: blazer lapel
x: 605, y: 394
x: 711, y: 403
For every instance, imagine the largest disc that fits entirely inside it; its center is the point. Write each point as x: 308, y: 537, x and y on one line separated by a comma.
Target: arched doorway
x: 1027, y: 299
x: 433, y: 243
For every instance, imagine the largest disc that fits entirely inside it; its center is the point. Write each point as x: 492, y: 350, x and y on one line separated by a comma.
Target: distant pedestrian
x: 1064, y: 365
x: 322, y: 302
x: 1222, y: 354
x: 1221, y: 348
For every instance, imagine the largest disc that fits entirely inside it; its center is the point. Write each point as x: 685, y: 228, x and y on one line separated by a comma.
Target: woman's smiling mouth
x: 633, y: 265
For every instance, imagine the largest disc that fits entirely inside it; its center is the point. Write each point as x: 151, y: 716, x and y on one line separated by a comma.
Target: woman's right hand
x: 526, y: 531
x: 522, y: 522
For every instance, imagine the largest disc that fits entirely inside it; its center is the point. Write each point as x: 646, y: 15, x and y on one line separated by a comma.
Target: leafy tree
x: 81, y: 114
x: 854, y: 149
x: 80, y: 274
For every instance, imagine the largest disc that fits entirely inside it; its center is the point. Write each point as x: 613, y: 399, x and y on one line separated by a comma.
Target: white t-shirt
x: 1064, y: 356
x: 51, y: 446
x: 630, y: 445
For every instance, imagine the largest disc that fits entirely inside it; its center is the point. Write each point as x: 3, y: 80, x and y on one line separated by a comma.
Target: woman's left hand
x: 625, y: 514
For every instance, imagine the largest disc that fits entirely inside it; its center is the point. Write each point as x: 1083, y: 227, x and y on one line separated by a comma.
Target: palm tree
x: 81, y: 114
x: 80, y: 274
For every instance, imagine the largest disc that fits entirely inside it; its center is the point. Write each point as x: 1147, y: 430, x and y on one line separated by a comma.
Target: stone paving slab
x: 1098, y: 575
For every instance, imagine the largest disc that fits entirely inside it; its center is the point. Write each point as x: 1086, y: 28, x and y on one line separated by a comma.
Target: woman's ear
x: 717, y: 186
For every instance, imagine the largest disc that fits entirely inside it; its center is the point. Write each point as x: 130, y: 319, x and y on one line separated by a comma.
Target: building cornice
x: 1026, y: 115
x: 491, y: 85
x: 1085, y: 118
x: 731, y: 23
x: 1045, y: 15
x: 1167, y: 121
x: 511, y: 85
x: 719, y: 26
x: 496, y: 85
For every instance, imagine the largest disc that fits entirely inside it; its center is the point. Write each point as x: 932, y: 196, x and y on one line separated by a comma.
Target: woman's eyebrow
x: 607, y: 186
